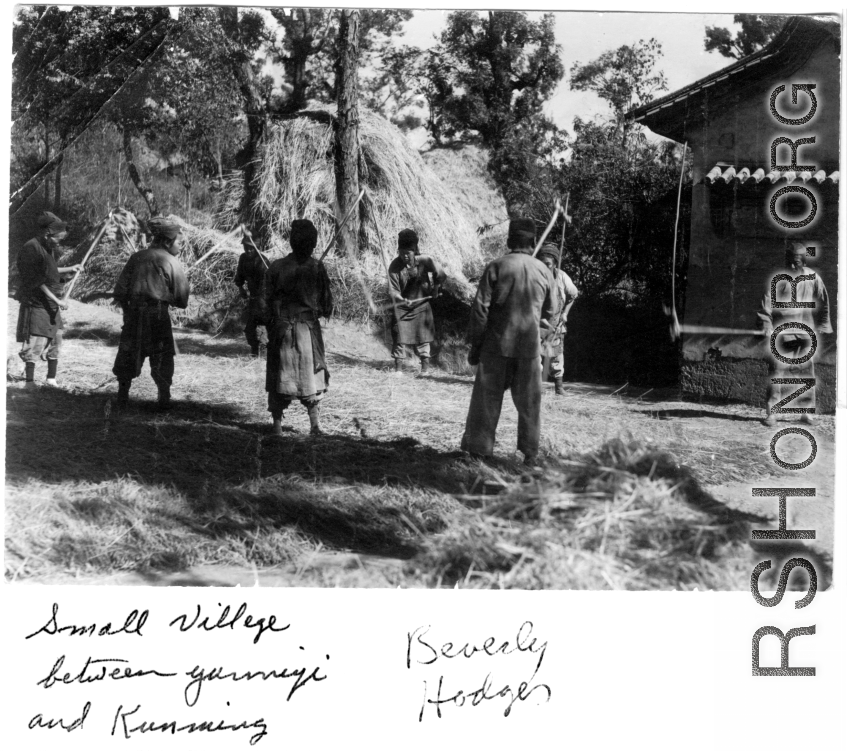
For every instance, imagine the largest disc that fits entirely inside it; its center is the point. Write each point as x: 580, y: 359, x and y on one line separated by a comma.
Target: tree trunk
x: 144, y: 189
x: 256, y: 113
x: 57, y: 192
x: 347, y: 128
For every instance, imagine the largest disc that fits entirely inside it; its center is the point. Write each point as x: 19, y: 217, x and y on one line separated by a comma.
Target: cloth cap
x: 521, y: 232
x: 407, y: 239
x: 548, y: 249
x: 164, y: 227
x: 303, y: 236
x: 49, y: 221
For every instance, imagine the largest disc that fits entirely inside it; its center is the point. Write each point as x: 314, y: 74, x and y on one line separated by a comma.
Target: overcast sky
x: 585, y: 36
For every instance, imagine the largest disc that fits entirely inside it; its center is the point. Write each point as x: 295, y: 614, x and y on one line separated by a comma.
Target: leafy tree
x: 624, y: 78
x: 755, y: 32
x: 621, y: 185
x: 310, y: 47
x: 189, y: 104
x: 70, y: 65
x: 492, y: 72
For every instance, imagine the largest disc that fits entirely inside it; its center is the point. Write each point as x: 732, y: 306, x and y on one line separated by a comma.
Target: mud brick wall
x: 746, y: 380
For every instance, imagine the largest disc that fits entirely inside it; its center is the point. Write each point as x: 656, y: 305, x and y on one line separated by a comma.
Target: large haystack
x: 463, y: 171
x: 296, y: 179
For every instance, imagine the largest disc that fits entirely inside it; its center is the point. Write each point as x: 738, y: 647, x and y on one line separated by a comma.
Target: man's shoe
x: 165, y: 399
x: 769, y: 421
x: 52, y: 382
x: 559, y: 388
x: 276, y: 429
x: 424, y: 365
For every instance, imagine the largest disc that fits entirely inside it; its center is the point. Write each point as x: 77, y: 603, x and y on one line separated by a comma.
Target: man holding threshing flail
x: 413, y: 281
x: 252, y: 265
x: 39, y: 292
x: 516, y: 298
x: 297, y: 292
x: 811, y: 291
x: 151, y: 282
x: 553, y: 350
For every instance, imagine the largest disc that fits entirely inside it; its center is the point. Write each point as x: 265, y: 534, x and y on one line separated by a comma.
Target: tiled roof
x: 789, y: 48
x: 740, y: 176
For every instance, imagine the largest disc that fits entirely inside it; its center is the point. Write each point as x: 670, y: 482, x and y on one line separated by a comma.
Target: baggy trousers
x: 146, y: 333
x: 494, y: 375
x: 41, y: 348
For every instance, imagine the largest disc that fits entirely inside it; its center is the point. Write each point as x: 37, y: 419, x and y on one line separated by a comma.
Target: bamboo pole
x: 675, y: 328
x: 549, y: 227
x: 106, y: 222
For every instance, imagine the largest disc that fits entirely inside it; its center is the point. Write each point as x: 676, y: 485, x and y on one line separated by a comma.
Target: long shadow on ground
x: 320, y: 485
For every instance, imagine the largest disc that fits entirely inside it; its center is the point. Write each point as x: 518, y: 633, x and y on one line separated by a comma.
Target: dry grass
x: 296, y: 179
x: 383, y: 499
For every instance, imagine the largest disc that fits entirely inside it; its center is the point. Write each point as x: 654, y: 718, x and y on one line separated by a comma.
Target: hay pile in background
x: 296, y: 179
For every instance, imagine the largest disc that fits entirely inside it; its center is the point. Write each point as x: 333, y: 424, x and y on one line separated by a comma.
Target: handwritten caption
x: 125, y: 721
x: 424, y: 650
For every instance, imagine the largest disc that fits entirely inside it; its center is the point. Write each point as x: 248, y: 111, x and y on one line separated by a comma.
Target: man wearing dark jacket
x: 413, y: 280
x: 296, y: 293
x: 252, y: 266
x: 39, y: 291
x: 516, y: 294
x: 151, y: 282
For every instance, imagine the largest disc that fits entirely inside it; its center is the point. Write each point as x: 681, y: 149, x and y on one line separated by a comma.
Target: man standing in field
x: 554, y: 338
x: 151, y: 282
x: 516, y: 297
x: 251, y: 270
x: 809, y: 289
x: 413, y: 281
x: 40, y: 291
x: 297, y: 292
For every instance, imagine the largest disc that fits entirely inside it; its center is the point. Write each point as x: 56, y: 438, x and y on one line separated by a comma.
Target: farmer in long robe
x: 151, y: 282
x: 39, y: 291
x: 553, y: 339
x: 411, y: 278
x: 795, y: 342
x: 297, y: 292
x: 251, y: 271
x: 516, y: 296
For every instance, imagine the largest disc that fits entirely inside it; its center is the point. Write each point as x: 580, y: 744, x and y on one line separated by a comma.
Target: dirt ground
x: 387, y: 437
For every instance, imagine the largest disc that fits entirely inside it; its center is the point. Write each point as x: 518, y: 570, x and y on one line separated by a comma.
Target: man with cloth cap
x: 413, y: 280
x: 296, y: 293
x: 552, y: 343
x: 516, y: 297
x: 151, y: 282
x: 796, y: 284
x: 39, y: 291
x: 251, y: 270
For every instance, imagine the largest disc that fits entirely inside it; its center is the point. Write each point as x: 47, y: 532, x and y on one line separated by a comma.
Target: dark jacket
x: 152, y: 274
x: 251, y: 269
x: 516, y: 292
x: 293, y: 287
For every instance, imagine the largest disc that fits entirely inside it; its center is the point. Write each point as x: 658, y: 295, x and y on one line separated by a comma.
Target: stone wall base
x: 746, y: 380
